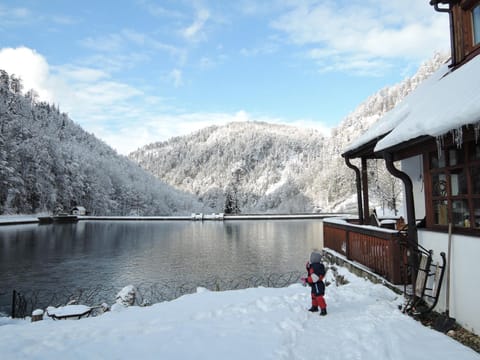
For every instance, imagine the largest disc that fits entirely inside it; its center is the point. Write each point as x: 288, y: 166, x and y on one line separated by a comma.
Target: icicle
x: 439, y: 146
x: 476, y: 129
x: 457, y: 135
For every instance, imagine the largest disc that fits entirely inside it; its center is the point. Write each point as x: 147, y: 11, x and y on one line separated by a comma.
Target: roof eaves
x: 366, y: 150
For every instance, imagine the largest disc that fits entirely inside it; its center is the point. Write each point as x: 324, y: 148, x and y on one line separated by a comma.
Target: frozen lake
x: 112, y: 254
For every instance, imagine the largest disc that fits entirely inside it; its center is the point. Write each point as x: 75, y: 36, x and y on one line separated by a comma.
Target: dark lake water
x: 108, y: 255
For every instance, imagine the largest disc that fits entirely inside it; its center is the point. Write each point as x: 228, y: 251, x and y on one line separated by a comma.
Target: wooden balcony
x: 376, y: 248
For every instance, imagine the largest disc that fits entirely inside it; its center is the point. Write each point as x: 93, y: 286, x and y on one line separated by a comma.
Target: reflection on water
x: 92, y: 253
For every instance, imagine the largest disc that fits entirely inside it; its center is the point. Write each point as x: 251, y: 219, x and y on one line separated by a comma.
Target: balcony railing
x: 376, y: 248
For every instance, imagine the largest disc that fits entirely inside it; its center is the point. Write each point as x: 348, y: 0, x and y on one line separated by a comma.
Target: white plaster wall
x: 413, y: 167
x: 464, y: 276
x: 465, y: 269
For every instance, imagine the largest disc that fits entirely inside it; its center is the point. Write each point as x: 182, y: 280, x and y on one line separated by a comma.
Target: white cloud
x: 195, y: 30
x: 111, y: 63
x: 20, y: 12
x: 81, y: 74
x: 124, y: 39
x: 31, y: 67
x: 14, y: 15
x: 177, y: 77
x: 365, y: 31
x: 21, y: 16
x: 259, y: 8
x: 159, y: 11
x: 111, y: 42
x: 265, y: 49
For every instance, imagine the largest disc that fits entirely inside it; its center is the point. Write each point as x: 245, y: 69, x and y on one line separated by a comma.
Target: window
x: 454, y: 179
x: 476, y: 24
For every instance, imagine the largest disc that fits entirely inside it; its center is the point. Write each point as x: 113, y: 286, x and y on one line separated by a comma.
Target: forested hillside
x: 258, y: 167
x: 48, y: 163
x: 242, y: 166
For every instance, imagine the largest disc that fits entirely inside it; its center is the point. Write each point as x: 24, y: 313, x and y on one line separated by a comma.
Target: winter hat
x: 315, y: 257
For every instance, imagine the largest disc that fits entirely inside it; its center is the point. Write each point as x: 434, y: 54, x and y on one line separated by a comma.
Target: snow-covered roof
x: 446, y: 101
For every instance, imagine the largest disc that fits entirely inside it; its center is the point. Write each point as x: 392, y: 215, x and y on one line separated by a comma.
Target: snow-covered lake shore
x: 31, y: 219
x: 18, y: 219
x: 363, y: 322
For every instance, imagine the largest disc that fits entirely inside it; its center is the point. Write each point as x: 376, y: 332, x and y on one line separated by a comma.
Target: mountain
x: 48, y: 163
x: 266, y: 168
x: 257, y: 165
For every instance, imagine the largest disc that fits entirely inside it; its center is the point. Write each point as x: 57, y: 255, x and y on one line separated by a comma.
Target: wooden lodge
x: 431, y: 142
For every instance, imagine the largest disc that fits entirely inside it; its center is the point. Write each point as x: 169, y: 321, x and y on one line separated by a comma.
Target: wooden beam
x: 358, y: 182
x: 366, y: 209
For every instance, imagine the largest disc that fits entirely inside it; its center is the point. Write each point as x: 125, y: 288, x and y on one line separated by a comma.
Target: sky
x: 363, y: 322
x: 139, y: 71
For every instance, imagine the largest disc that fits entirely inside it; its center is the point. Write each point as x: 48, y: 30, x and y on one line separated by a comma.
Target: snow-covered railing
x: 374, y: 247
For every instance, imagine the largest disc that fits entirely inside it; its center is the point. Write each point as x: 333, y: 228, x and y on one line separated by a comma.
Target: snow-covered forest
x: 258, y: 167
x: 48, y: 164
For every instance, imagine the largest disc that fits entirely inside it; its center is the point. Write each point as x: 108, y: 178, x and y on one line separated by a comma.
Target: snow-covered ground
x: 363, y: 322
x: 17, y: 219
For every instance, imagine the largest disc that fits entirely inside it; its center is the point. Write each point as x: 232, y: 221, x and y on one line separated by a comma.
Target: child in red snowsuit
x: 316, y: 272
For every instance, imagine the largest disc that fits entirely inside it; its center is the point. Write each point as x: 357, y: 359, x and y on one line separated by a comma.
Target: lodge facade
x: 439, y: 165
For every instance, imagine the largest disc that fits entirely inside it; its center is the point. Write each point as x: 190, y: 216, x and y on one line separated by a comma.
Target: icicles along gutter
x: 457, y: 137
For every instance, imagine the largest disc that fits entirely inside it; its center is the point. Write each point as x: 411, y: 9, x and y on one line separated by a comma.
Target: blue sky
x: 138, y: 71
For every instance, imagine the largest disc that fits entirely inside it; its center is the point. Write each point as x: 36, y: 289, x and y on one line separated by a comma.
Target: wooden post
x: 37, y: 315
x: 14, y: 296
x: 347, y: 244
x: 358, y: 183
x: 366, y: 209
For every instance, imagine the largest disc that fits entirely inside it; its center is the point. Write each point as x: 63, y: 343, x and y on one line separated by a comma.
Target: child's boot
x: 313, y: 309
x: 323, y: 312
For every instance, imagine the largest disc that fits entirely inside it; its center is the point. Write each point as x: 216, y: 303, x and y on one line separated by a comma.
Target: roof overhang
x: 447, y: 102
x: 366, y: 150
x: 400, y: 151
x: 445, y: 2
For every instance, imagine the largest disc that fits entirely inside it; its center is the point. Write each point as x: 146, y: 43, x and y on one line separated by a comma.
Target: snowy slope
x: 363, y: 322
x: 264, y: 163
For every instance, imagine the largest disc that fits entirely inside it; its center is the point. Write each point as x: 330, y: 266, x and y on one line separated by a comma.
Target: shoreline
x: 33, y: 219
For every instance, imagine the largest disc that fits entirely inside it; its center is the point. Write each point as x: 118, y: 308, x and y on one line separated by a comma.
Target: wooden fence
x: 377, y: 249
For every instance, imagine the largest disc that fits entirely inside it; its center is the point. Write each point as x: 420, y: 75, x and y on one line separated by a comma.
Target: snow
x: 67, y: 310
x: 363, y: 322
x: 17, y: 219
x: 343, y: 222
x: 384, y: 212
x: 444, y: 102
x: 37, y: 312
